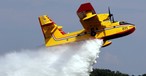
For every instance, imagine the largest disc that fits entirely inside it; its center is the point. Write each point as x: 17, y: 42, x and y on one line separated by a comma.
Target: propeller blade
x: 109, y: 11
x: 111, y: 17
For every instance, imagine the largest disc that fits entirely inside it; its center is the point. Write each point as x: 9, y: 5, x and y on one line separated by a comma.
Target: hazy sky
x: 20, y: 29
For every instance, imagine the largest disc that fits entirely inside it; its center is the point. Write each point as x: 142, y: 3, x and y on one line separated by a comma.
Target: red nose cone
x: 132, y: 30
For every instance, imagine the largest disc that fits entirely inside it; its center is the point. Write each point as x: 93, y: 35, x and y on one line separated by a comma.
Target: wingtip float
x: 96, y: 26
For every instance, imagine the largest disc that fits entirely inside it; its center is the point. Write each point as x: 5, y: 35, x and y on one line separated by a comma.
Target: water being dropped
x: 75, y: 59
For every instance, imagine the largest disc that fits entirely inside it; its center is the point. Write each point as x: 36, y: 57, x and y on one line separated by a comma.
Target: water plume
x: 74, y: 59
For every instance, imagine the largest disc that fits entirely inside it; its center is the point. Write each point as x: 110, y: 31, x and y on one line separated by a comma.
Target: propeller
x: 111, y: 16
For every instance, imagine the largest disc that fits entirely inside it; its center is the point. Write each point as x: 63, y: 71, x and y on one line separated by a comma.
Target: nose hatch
x: 131, y: 28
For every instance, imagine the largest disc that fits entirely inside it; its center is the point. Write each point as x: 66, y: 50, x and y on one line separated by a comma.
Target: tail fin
x: 47, y: 25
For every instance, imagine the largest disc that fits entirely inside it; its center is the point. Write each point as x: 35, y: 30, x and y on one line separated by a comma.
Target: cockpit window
x: 124, y: 23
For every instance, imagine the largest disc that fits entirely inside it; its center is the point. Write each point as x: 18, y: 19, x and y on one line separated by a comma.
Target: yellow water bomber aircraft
x: 95, y: 26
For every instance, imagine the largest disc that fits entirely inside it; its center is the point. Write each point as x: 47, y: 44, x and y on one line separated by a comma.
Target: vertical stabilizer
x: 47, y: 25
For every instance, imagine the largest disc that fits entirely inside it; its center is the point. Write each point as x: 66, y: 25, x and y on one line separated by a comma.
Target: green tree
x: 106, y: 72
x: 144, y: 75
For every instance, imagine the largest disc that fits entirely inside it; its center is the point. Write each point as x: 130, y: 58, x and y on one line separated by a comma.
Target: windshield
x: 124, y: 23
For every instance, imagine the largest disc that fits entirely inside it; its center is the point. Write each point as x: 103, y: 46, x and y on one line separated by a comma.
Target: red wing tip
x: 85, y: 7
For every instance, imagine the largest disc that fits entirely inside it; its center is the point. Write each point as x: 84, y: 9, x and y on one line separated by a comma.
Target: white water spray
x: 75, y: 59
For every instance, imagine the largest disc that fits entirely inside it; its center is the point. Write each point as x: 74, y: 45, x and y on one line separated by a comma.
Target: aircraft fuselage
x: 105, y: 34
x: 116, y: 31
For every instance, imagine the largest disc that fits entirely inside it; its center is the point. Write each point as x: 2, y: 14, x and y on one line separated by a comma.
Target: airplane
x: 95, y: 26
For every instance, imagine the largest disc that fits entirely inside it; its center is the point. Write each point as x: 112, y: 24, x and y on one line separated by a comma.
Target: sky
x: 20, y: 29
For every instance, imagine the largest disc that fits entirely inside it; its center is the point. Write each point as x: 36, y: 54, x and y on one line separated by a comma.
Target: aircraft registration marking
x: 124, y: 28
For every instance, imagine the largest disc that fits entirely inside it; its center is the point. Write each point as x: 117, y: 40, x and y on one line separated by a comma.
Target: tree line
x: 107, y: 72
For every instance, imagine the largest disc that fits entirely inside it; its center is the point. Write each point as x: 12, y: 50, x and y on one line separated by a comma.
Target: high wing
x: 88, y: 18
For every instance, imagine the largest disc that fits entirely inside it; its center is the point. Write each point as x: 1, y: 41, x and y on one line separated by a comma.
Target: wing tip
x: 85, y: 7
